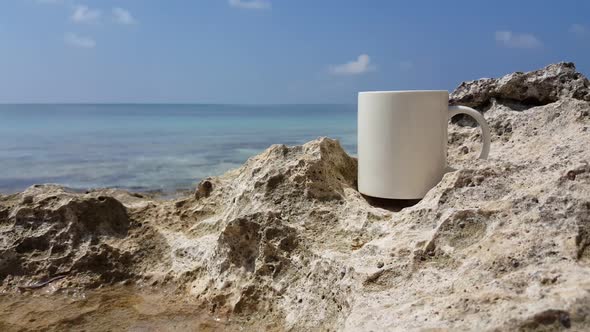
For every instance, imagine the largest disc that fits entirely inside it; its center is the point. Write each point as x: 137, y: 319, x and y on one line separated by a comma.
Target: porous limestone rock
x: 498, y: 244
x: 539, y: 87
x: 48, y: 230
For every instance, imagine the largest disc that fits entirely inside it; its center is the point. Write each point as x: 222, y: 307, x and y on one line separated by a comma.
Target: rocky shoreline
x: 498, y: 244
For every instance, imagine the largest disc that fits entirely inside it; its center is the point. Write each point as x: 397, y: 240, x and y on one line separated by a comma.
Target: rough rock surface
x: 498, y: 244
x: 539, y: 87
x: 48, y: 230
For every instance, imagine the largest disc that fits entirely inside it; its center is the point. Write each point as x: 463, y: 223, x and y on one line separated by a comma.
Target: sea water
x: 151, y: 147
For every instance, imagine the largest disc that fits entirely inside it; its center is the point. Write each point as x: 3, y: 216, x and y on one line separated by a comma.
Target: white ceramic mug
x: 402, y: 141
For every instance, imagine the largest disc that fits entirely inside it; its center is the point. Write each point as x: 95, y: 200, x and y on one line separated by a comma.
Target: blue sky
x: 274, y: 51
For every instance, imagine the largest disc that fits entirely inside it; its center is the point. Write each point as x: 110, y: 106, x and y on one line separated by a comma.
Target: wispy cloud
x: 578, y: 29
x: 123, y: 16
x: 359, y: 66
x: 250, y: 4
x: 75, y: 40
x: 83, y: 14
x: 517, y: 40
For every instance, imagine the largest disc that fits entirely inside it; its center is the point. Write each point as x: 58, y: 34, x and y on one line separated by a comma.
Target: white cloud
x: 250, y: 4
x: 83, y: 14
x: 361, y: 65
x: 73, y: 39
x: 123, y: 16
x: 578, y: 29
x: 517, y: 40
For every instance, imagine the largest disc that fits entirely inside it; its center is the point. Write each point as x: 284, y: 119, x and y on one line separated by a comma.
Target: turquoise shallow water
x: 151, y: 147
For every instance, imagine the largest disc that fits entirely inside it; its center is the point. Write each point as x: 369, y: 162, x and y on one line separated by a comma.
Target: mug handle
x: 485, y: 129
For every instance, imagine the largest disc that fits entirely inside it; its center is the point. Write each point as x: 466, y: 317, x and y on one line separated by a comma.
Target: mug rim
x: 403, y: 92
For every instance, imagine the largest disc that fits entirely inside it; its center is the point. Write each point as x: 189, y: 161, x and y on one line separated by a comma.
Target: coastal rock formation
x: 539, y: 87
x: 48, y: 230
x: 288, y: 242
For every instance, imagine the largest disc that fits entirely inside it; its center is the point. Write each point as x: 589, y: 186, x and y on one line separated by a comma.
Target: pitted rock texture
x: 539, y: 87
x: 48, y: 230
x: 498, y: 244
